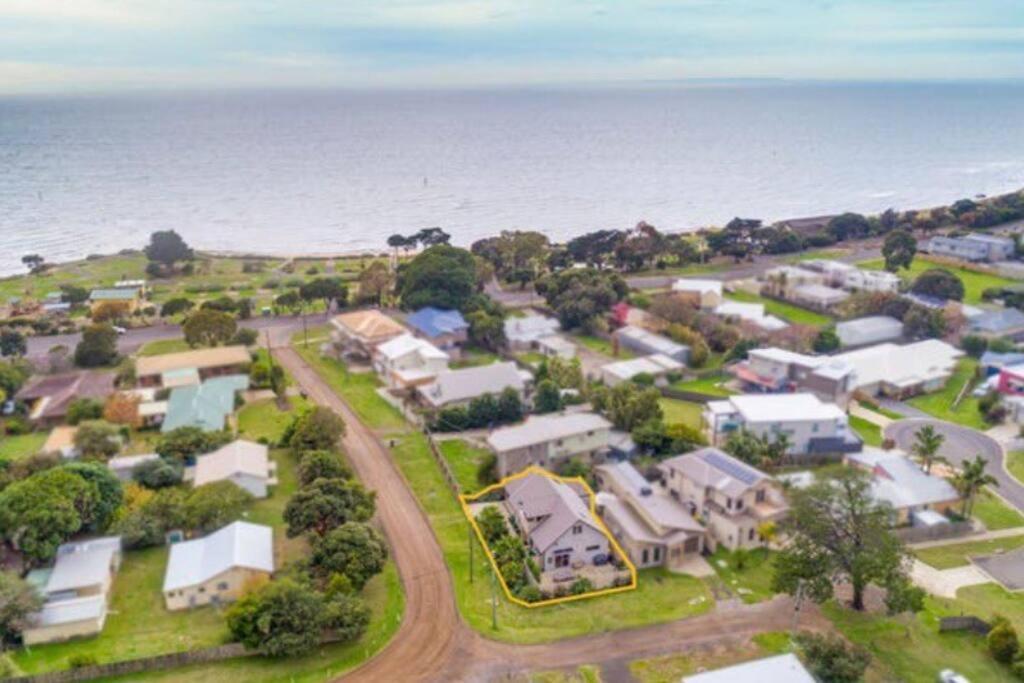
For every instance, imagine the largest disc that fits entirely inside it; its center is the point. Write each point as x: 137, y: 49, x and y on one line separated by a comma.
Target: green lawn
x: 824, y: 254
x: 710, y: 385
x: 1015, y: 464
x: 996, y: 514
x: 684, y: 412
x: 786, y: 311
x: 465, y: 460
x: 583, y: 674
x: 531, y: 357
x: 264, y: 420
x: 869, y: 432
x: 940, y: 403
x: 955, y: 555
x: 753, y: 582
x: 672, y: 668
x: 881, y: 410
x: 600, y: 345
x: 162, y: 346
x: 974, y: 282
x: 472, y: 357
x: 21, y: 446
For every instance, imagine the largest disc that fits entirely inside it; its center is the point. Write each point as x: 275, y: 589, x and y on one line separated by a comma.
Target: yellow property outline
x: 464, y: 501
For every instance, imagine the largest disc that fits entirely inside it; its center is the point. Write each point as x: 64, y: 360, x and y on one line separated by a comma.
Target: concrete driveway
x: 961, y: 444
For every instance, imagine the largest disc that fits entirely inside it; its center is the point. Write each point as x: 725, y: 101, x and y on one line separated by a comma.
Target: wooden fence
x: 964, y: 623
x: 446, y: 469
x: 916, y: 534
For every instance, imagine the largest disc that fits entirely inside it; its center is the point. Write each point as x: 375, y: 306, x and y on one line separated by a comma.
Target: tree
x: 18, y: 599
x: 97, y: 439
x: 939, y: 282
x: 582, y: 296
x: 292, y: 301
x: 899, y: 249
x: 328, y: 503
x: 827, y: 340
x: 283, y: 618
x: 831, y: 660
x: 158, y: 473
x: 699, y: 350
x: 73, y: 294
x: 98, y: 346
x: 109, y: 493
x: 354, y: 550
x: 375, y: 283
x: 627, y: 405
x: 927, y: 443
x: 207, y: 327
x: 492, y: 523
x: 184, y: 443
x: 486, y: 329
x: 317, y: 429
x: 34, y: 262
x: 176, y: 306
x: 1002, y: 640
x: 974, y: 345
x: 483, y: 411
x: 12, y: 343
x: 442, y: 276
x: 166, y: 247
x: 39, y: 513
x: 849, y: 226
x: 330, y: 290
x: 321, y: 465
x: 839, y: 533
x: 510, y: 406
x: 211, y: 506
x: 971, y: 479
x: 82, y: 409
x: 111, y: 312
x: 346, y: 616
x: 548, y: 398
x: 123, y: 409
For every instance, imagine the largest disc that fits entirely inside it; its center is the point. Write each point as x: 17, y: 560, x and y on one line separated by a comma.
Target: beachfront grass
x: 994, y: 512
x: 974, y: 282
x: 869, y: 432
x: 710, y: 385
x: 813, y: 254
x: 162, y: 346
x: 957, y: 554
x: 21, y: 446
x: 672, y: 668
x: 465, y: 461
x: 789, y: 312
x: 753, y: 582
x: 940, y: 403
x: 682, y: 412
x: 264, y: 420
x: 661, y: 596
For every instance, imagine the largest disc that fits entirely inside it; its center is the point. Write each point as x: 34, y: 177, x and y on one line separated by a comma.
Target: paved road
x: 434, y: 644
x: 963, y: 443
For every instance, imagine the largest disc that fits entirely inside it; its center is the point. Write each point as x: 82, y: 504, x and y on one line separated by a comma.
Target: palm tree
x: 973, y: 478
x: 926, y: 446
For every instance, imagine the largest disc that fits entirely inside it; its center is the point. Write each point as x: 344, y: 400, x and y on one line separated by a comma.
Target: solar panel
x: 733, y: 468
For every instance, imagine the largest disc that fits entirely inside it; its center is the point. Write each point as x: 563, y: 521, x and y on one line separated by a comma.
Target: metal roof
x: 436, y: 322
x: 542, y: 428
x: 239, y: 544
x: 205, y: 405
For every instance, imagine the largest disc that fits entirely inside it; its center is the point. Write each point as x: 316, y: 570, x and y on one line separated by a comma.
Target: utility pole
x: 494, y: 601
x: 305, y: 328
x: 798, y: 600
x: 470, y: 534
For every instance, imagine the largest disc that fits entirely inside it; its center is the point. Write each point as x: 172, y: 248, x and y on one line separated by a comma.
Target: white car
x: 119, y: 330
x: 950, y: 676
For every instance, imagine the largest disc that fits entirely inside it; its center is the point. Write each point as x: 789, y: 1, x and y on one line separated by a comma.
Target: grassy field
x: 264, y: 420
x: 786, y: 311
x: 881, y: 410
x: 994, y: 513
x: 21, y: 446
x: 753, y: 582
x: 974, y: 282
x: 940, y: 403
x: 660, y: 596
x: 465, y: 460
x: 162, y: 346
x: 869, y: 432
x: 684, y: 412
x: 472, y: 357
x: 956, y: 554
x: 1015, y: 464
x: 710, y: 385
x: 672, y: 668
x: 583, y: 674
x: 600, y: 345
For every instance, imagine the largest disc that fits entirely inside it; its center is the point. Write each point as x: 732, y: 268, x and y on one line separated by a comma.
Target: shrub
x: 81, y: 660
x: 529, y: 593
x: 580, y: 586
x: 1002, y: 641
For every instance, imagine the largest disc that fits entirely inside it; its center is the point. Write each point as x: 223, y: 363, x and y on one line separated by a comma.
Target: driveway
x: 963, y: 443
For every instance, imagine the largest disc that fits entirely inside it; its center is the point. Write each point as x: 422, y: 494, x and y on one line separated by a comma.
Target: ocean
x: 333, y: 171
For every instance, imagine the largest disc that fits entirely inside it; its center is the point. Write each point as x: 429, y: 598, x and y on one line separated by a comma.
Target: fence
x: 446, y: 470
x: 966, y: 623
x: 684, y: 395
x: 916, y: 534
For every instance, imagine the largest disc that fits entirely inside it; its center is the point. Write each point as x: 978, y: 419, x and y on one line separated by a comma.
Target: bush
x: 452, y: 419
x: 81, y: 660
x: 529, y: 593
x: 245, y: 336
x: 315, y: 465
x: 317, y: 429
x: 580, y: 586
x: 1002, y: 641
x: 158, y: 474
x: 830, y: 659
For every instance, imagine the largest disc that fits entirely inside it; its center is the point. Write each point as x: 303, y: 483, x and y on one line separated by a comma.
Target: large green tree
x: 317, y: 429
x: 354, y: 550
x: 18, y: 599
x: 209, y: 327
x: 442, y: 276
x: 97, y: 347
x: 39, y: 513
x: 321, y: 464
x: 185, y: 443
x: 899, y: 249
x: 939, y: 282
x: 166, y: 247
x: 283, y: 618
x: 580, y: 297
x: 97, y: 440
x: 627, y: 405
x: 109, y: 493
x: 326, y: 504
x: 327, y: 289
x: 12, y: 343
x: 211, y: 506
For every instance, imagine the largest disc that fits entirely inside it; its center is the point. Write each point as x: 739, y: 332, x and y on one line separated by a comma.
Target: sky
x: 85, y: 45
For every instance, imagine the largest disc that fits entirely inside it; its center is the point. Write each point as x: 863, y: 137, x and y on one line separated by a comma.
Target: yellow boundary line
x: 465, y: 500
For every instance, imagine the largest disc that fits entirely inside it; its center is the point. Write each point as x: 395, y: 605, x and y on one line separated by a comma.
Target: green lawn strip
x: 465, y: 460
x: 21, y: 446
x: 792, y: 313
x: 910, y: 647
x: 940, y: 403
x: 684, y: 412
x: 869, y: 432
x: 583, y: 674
x: 264, y: 420
x: 881, y: 410
x: 753, y: 582
x: 531, y: 357
x: 710, y: 385
x: 956, y: 554
x: 1015, y: 464
x: 974, y: 282
x: 994, y: 513
x: 162, y: 346
x: 601, y: 345
x: 472, y: 357
x: 824, y: 254
x: 672, y: 668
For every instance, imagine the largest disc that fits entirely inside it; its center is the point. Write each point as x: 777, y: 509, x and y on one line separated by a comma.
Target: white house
x: 703, y: 293
x: 750, y: 313
x: 642, y: 341
x: 917, y: 498
x: 243, y: 463
x: 973, y: 247
x: 657, y: 365
x: 407, y: 361
x: 779, y: 669
x: 852, y: 278
x: 459, y: 387
x: 873, y: 329
x: 522, y: 334
x: 549, y: 441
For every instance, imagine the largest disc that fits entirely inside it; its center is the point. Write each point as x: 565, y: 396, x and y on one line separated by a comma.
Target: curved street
x: 960, y: 444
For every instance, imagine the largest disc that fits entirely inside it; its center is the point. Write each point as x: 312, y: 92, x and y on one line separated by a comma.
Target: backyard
x: 465, y: 461
x: 789, y: 312
x: 711, y: 385
x: 21, y: 446
x: 974, y: 282
x: 869, y: 432
x: 748, y: 573
x: 682, y: 412
x: 940, y: 403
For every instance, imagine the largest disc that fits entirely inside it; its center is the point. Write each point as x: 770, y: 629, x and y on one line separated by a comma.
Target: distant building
x: 805, y: 227
x: 851, y: 278
x: 818, y: 296
x: 549, y: 441
x: 750, y: 313
x: 191, y: 367
x: 1005, y: 323
x: 873, y: 329
x: 406, y: 362
x: 702, y: 293
x: 359, y: 333
x: 123, y: 466
x: 206, y: 406
x: 917, y: 498
x: 973, y: 247
x: 244, y: 463
x: 445, y: 329
x: 656, y: 365
x: 49, y: 396
x: 459, y: 387
x: 641, y: 341
x: 128, y: 298
x: 556, y: 345
x: 992, y: 362
x: 522, y: 334
x: 779, y: 669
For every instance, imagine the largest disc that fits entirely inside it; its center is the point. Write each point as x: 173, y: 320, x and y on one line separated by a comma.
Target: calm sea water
x: 298, y: 172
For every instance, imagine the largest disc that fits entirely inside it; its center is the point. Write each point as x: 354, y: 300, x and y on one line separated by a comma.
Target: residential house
x: 523, y: 334
x: 555, y: 345
x: 549, y: 441
x: 639, y: 340
x: 917, y: 498
x: 873, y: 329
x: 704, y: 294
x: 785, y: 668
x: 75, y: 591
x: 992, y: 362
x: 819, y: 297
x: 445, y: 329
x: 973, y: 247
x: 805, y: 227
x: 556, y: 523
x: 1004, y: 323
x: 775, y: 370
x: 140, y: 286
x: 49, y: 396
x: 128, y: 299
x: 752, y: 314
x: 218, y: 568
x: 781, y: 280
x: 172, y: 370
x: 1010, y: 380
x: 656, y: 365
x: 652, y: 527
x: 851, y: 278
x: 359, y: 333
x: 815, y: 430
x: 244, y: 463
x: 733, y: 498
x: 406, y: 362
x: 123, y: 466
x: 206, y: 406
x: 459, y: 387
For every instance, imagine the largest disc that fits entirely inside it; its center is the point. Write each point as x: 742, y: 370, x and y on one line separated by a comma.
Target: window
x: 750, y: 536
x: 759, y: 496
x: 591, y: 548
x: 739, y: 503
x: 657, y: 554
x: 728, y: 503
x: 578, y: 529
x: 202, y: 589
x: 644, y: 556
x: 814, y: 428
x: 222, y: 586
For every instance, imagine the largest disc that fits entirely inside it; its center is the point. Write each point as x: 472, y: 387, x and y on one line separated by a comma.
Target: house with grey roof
x: 785, y: 668
x: 872, y: 329
x: 459, y: 387
x: 549, y: 441
x: 75, y: 591
x: 657, y: 365
x: 1004, y: 323
x: 973, y: 247
x: 245, y: 464
x: 916, y: 498
x: 206, y: 406
x: 522, y: 334
x: 555, y: 521
x: 732, y: 497
x: 217, y: 568
x: 641, y: 341
x: 651, y: 526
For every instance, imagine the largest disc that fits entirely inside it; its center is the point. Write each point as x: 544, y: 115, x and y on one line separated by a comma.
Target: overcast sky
x: 74, y: 45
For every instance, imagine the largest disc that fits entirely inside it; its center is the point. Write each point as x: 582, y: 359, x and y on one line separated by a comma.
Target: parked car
x: 119, y: 329
x: 950, y: 676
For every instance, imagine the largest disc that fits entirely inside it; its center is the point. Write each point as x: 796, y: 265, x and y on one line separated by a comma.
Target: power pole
x: 494, y: 601
x: 470, y: 530
x: 305, y: 329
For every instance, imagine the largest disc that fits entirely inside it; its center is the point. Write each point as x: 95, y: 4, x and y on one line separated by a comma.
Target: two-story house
x: 733, y: 498
x: 444, y: 328
x: 406, y: 362
x: 549, y: 441
x: 973, y: 247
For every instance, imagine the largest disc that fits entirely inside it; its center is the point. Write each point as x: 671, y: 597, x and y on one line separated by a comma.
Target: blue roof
x: 205, y: 405
x: 1003, y: 320
x: 991, y: 358
x: 436, y: 322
